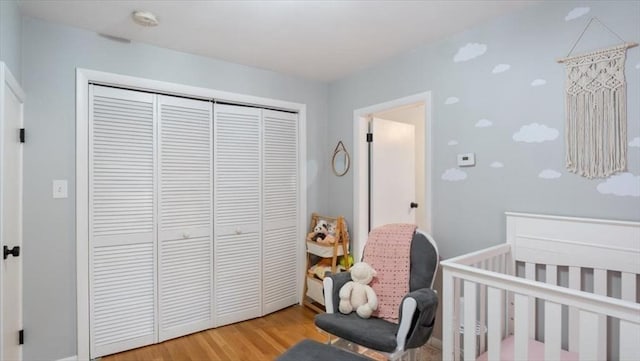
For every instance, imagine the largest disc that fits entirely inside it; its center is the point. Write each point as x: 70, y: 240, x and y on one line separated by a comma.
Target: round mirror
x: 341, y: 160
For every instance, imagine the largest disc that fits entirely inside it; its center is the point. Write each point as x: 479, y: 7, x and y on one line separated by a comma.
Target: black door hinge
x: 21, y: 135
x: 21, y: 337
x: 369, y: 137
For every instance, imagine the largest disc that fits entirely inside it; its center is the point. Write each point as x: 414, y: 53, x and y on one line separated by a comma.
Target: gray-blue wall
x: 51, y: 54
x: 10, y: 34
x: 468, y: 214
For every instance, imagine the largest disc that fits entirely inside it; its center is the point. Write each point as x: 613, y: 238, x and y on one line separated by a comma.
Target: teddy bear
x: 357, y: 294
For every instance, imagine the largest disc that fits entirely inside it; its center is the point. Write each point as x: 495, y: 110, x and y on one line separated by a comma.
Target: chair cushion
x: 309, y: 350
x: 424, y: 261
x: 373, y: 333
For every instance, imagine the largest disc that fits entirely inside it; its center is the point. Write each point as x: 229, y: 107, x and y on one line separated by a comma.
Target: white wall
x: 50, y: 55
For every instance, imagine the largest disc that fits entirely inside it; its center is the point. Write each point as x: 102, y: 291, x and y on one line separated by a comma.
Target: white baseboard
x: 434, y: 342
x: 70, y: 358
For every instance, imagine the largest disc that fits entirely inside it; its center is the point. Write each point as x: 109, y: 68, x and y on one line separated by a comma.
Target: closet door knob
x: 238, y: 231
x: 413, y: 205
x: 186, y: 235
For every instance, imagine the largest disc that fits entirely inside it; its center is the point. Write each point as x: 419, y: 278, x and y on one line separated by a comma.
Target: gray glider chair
x: 417, y: 311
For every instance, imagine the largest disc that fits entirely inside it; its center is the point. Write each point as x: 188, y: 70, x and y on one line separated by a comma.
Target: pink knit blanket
x: 388, y: 251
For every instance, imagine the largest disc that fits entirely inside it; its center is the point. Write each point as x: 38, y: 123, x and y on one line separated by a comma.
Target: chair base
x: 398, y: 355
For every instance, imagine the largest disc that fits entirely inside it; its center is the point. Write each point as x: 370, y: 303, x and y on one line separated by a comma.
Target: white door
x: 280, y: 203
x: 393, y: 175
x: 122, y: 231
x: 11, y: 224
x: 185, y: 242
x: 237, y: 213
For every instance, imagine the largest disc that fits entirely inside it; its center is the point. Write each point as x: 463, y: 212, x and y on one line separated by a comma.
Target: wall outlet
x: 466, y: 160
x: 60, y: 188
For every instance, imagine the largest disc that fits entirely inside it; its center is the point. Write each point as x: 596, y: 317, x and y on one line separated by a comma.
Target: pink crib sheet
x: 536, y: 351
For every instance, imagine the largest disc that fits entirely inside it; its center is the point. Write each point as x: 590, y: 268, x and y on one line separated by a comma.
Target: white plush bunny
x: 357, y: 294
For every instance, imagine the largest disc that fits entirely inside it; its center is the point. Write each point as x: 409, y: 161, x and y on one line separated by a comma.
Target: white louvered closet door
x: 237, y: 253
x: 121, y: 220
x: 185, y: 252
x: 280, y: 210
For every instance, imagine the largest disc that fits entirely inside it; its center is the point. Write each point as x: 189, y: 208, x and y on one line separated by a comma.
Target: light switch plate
x: 466, y: 160
x: 60, y: 188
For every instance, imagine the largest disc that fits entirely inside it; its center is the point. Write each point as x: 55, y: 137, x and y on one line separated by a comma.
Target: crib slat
x: 629, y: 336
x: 469, y: 339
x: 456, y: 319
x: 509, y: 269
x: 628, y: 286
x: 588, y: 344
x: 600, y: 288
x: 448, y: 324
x: 552, y: 330
x: 530, y: 274
x: 600, y: 282
x: 495, y: 323
x: 574, y: 283
x: 521, y: 324
x: 483, y: 316
x: 552, y: 274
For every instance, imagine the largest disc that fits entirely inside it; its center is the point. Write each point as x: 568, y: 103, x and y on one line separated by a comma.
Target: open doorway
x: 392, y: 159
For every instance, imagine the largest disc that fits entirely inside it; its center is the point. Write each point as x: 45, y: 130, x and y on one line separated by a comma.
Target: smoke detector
x: 144, y: 18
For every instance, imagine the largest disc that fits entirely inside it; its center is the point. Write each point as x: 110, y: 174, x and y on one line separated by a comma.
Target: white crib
x: 561, y: 288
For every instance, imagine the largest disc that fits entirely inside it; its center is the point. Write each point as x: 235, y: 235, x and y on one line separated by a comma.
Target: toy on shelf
x: 322, y: 233
x: 327, y: 251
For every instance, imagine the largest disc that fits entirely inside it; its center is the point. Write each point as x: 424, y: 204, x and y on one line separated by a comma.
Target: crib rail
x: 491, y: 271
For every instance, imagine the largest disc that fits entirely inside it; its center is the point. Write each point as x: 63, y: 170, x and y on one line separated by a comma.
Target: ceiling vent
x: 144, y: 18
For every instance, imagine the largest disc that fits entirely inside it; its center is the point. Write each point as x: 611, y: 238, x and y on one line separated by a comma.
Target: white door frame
x: 8, y: 81
x: 360, y: 165
x: 83, y: 78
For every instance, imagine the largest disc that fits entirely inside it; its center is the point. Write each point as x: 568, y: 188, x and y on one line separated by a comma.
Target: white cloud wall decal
x: 451, y: 100
x: 549, y: 174
x: 452, y: 142
x: 535, y: 133
x: 576, y: 13
x: 454, y: 175
x: 622, y: 184
x: 496, y: 165
x: 469, y: 51
x: 483, y: 123
x: 635, y: 142
x: 538, y: 82
x: 501, y: 68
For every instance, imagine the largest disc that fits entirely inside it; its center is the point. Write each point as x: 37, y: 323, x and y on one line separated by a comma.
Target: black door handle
x: 414, y: 205
x: 15, y: 251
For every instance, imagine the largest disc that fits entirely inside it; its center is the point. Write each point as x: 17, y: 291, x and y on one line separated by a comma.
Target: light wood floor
x: 259, y: 339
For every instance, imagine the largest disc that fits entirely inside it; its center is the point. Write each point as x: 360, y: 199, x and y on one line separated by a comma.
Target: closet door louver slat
x: 237, y: 254
x: 280, y: 210
x: 184, y: 237
x: 121, y: 220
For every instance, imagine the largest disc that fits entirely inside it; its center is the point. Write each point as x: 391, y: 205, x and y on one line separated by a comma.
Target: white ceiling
x: 321, y: 40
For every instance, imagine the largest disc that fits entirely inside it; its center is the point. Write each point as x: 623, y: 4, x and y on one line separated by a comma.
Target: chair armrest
x: 417, y: 316
x: 332, y: 284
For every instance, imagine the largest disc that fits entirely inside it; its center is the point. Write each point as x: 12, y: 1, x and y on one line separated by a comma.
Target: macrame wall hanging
x: 596, y: 110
